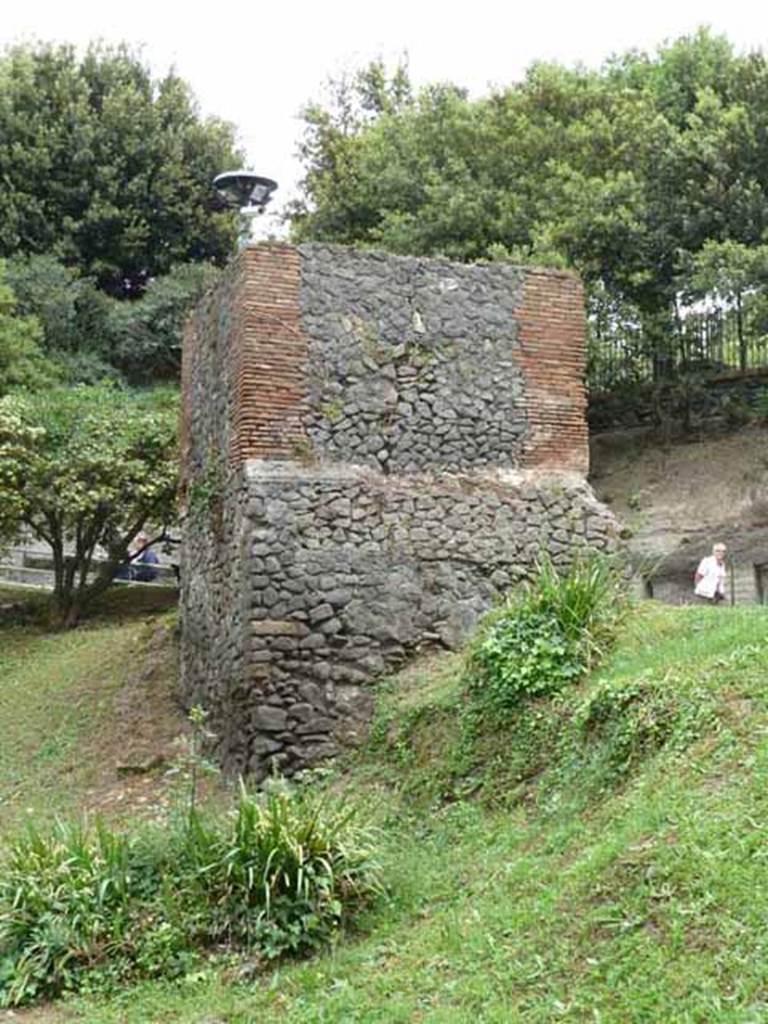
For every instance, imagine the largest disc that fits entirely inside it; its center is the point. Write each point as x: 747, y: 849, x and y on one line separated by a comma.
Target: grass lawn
x: 60, y: 731
x: 618, y: 876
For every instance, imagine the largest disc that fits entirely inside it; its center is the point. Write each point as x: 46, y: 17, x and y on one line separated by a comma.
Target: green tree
x: 22, y: 363
x: 145, y: 336
x: 89, y: 336
x: 624, y: 173
x: 107, y: 168
x: 73, y: 314
x: 731, y: 272
x: 83, y: 469
x: 341, y: 203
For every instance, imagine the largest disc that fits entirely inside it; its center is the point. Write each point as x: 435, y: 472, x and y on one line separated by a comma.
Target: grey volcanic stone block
x: 269, y: 719
x: 320, y: 613
x: 274, y: 627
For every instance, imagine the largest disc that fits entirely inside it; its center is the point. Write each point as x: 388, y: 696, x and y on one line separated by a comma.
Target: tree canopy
x: 625, y: 173
x: 106, y: 168
x: 86, y: 469
x: 22, y: 362
x: 87, y: 336
x: 109, y: 230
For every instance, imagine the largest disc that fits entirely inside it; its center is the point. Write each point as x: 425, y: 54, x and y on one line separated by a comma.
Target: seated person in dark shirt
x: 142, y: 565
x: 124, y: 572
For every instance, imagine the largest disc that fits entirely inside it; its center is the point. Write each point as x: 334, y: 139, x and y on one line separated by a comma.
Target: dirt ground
x: 685, y: 493
x: 146, y: 738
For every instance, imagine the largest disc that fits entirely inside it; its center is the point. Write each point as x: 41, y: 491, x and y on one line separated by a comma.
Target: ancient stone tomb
x: 374, y: 449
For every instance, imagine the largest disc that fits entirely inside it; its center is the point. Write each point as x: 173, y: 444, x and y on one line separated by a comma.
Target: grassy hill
x: 600, y: 856
x: 76, y: 706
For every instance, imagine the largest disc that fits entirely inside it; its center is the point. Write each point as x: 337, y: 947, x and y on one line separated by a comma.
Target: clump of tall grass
x: 548, y: 632
x: 87, y: 907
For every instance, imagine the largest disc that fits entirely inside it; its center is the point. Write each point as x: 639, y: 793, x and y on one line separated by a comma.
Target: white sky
x: 255, y: 64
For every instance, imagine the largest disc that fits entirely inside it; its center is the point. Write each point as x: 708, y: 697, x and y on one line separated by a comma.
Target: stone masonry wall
x: 415, y: 364
x: 375, y: 450
x: 404, y: 367
x: 214, y: 556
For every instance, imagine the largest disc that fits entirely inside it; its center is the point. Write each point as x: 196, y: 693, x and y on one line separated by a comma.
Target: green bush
x: 621, y: 723
x: 736, y: 410
x: 85, y: 908
x: 548, y: 633
x: 761, y: 405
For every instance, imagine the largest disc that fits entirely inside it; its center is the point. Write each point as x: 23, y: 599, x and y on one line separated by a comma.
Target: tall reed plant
x: 279, y: 873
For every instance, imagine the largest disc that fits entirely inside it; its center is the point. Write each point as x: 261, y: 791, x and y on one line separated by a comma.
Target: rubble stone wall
x: 375, y: 449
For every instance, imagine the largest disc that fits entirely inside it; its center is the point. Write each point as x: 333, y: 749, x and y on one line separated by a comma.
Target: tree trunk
x: 72, y: 592
x: 60, y: 609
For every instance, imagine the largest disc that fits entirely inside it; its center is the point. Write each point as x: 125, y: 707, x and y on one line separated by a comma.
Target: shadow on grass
x: 122, y: 602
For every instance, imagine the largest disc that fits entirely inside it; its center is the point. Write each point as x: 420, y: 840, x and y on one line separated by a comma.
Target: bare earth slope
x: 679, y: 498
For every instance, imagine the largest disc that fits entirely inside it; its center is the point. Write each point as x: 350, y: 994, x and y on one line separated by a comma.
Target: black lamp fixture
x: 247, y: 192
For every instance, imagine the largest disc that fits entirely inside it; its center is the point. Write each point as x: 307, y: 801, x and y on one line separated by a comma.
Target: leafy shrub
x: 547, y: 634
x: 761, y: 405
x: 735, y: 410
x: 624, y: 722
x: 84, y: 908
x: 523, y: 654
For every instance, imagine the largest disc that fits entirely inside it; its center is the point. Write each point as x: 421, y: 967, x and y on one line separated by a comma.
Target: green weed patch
x: 92, y: 908
x: 547, y: 634
x: 594, y: 854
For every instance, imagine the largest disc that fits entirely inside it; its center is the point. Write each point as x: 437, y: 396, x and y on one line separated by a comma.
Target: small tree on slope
x: 87, y: 468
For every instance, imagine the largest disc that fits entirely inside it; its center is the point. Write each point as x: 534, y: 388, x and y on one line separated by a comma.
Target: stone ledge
x: 267, y: 470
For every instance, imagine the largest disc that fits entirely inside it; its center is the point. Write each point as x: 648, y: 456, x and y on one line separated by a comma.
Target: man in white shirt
x: 710, y: 576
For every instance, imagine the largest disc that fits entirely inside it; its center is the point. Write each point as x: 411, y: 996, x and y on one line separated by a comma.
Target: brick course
x: 552, y: 337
